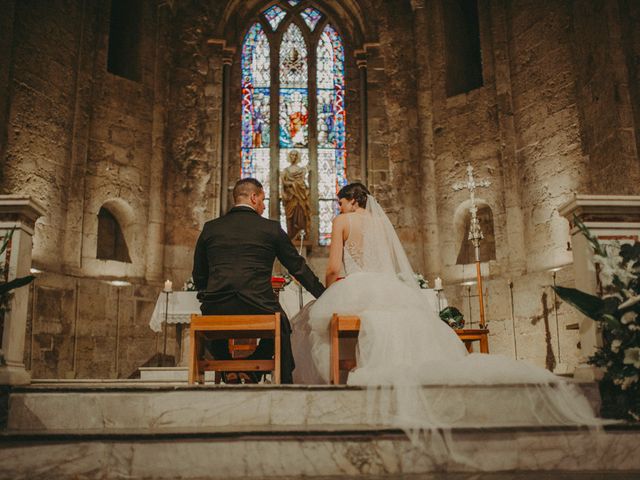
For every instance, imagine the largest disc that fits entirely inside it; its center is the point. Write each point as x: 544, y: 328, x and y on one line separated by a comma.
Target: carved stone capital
x: 219, y: 47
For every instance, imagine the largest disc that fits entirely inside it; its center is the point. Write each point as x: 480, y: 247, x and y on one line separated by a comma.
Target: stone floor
x: 134, y: 430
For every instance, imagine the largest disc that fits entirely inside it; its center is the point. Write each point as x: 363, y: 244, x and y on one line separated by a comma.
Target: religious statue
x: 295, y: 196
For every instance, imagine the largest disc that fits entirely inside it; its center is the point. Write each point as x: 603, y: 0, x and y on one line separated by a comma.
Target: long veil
x: 392, y: 342
x: 410, y: 362
x: 382, y: 250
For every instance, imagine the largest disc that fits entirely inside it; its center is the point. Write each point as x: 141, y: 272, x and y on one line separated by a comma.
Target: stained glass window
x: 311, y: 17
x: 292, y: 98
x: 256, y: 88
x: 293, y: 3
x: 275, y: 15
x: 331, y: 134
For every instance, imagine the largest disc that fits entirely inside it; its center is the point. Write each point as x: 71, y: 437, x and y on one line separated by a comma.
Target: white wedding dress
x: 403, y: 345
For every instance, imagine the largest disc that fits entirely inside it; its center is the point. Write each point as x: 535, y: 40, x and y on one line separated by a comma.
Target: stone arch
x: 356, y: 28
x: 461, y: 223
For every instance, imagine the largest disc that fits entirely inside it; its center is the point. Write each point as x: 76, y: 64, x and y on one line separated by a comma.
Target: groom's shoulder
x: 255, y: 221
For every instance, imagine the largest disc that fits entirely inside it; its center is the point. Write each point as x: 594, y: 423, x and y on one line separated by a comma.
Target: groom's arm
x: 296, y: 264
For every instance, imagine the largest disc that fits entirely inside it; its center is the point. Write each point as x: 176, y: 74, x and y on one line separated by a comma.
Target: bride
x: 402, y: 345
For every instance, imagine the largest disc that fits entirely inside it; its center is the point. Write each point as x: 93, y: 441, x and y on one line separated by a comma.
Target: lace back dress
x: 352, y: 257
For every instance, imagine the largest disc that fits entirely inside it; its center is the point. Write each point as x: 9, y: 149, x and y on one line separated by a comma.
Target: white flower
x: 634, y: 328
x: 632, y: 356
x: 615, y: 345
x: 628, y: 381
x: 630, y: 302
x: 628, y: 318
x: 610, y: 267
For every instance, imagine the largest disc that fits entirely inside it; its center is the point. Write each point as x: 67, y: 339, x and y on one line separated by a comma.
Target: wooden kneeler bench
x: 342, y: 326
x: 214, y: 327
x: 470, y: 335
x: 348, y: 326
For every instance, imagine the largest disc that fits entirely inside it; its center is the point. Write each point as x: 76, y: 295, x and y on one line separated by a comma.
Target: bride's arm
x: 335, y: 251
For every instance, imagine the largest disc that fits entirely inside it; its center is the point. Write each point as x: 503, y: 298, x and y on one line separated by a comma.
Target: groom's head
x: 249, y: 191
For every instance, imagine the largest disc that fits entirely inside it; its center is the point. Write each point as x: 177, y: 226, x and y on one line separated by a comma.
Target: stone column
x: 156, y: 226
x: 609, y: 217
x: 430, y: 230
x: 227, y: 61
x: 217, y: 110
x: 21, y: 213
x: 361, y: 60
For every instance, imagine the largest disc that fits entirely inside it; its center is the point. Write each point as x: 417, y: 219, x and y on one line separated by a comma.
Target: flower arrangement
x: 422, y: 282
x: 452, y: 317
x: 287, y: 278
x: 617, y: 310
x: 189, y: 286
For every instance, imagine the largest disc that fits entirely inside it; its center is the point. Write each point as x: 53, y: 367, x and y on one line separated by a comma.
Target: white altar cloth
x: 183, y: 304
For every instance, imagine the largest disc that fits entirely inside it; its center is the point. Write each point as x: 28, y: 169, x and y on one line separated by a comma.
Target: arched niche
x: 133, y: 230
x: 462, y: 222
x: 111, y: 244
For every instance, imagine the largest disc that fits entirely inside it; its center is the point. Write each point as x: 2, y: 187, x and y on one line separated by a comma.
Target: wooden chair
x: 212, y: 327
x: 343, y: 326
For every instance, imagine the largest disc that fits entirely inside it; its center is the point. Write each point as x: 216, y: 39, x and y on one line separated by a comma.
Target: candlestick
x: 437, y: 284
x: 168, y: 286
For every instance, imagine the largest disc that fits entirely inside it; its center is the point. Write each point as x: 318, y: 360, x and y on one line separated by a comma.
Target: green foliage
x: 452, y: 317
x: 618, y: 313
x: 6, y: 288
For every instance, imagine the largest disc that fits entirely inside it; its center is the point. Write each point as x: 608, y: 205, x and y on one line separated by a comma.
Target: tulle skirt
x: 403, y: 346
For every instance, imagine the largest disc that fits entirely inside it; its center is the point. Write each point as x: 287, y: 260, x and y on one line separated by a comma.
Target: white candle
x: 168, y: 286
x: 437, y: 284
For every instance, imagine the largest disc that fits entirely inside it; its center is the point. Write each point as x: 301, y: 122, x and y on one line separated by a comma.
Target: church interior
x: 124, y: 125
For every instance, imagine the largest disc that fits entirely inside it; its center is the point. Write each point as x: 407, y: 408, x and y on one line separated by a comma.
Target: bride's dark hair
x: 355, y: 191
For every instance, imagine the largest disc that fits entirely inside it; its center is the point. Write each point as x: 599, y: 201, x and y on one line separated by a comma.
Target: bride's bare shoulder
x: 341, y: 219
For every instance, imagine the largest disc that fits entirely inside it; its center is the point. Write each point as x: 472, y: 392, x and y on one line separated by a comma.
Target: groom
x: 232, y: 269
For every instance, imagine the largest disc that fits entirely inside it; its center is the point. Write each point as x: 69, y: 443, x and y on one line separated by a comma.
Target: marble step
x: 481, y: 453
x: 155, y: 408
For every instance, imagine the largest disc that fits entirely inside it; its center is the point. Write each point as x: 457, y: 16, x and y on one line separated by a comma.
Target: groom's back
x: 237, y: 252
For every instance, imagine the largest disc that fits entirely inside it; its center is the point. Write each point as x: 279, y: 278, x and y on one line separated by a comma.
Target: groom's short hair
x: 245, y: 187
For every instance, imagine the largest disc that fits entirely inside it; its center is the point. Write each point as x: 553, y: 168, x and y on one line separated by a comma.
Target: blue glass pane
x: 274, y: 16
x: 311, y: 17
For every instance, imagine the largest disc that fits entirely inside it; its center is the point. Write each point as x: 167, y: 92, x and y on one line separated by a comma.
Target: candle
x: 168, y: 286
x: 438, y: 284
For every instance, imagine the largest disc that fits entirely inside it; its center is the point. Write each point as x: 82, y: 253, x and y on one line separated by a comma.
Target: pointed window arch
x: 293, y: 74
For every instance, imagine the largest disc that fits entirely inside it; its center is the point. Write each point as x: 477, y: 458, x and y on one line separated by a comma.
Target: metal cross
x: 475, y: 232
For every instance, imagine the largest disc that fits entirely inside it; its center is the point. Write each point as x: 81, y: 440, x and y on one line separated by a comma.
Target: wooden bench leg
x: 334, y: 363
x: 277, y: 353
x: 193, y: 358
x: 484, y: 344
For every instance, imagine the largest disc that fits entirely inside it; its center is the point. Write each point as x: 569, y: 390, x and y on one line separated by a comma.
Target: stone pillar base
x: 587, y: 373
x: 14, y: 375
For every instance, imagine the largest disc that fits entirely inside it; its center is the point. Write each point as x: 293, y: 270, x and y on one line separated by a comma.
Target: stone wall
x: 194, y: 134
x: 85, y: 328
x: 604, y: 95
x: 79, y: 138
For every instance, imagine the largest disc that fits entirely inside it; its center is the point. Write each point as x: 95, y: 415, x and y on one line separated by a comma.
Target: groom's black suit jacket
x: 233, y: 262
